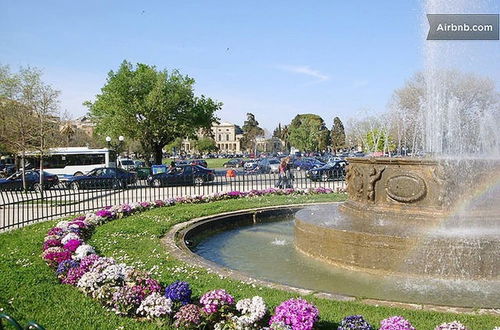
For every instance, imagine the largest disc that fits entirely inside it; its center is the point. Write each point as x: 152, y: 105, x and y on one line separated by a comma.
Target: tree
x: 251, y: 131
x: 446, y: 111
x: 378, y: 140
x: 29, y: 108
x: 337, y: 134
x: 278, y: 131
x: 205, y: 145
x: 308, y: 132
x: 151, y: 106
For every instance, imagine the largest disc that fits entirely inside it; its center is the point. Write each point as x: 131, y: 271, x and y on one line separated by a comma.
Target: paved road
x: 18, y: 209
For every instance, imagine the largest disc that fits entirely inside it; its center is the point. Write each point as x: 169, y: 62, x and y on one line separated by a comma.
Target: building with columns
x: 226, y: 135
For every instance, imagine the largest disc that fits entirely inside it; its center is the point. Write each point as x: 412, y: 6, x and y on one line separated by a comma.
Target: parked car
x: 32, y: 177
x: 274, y: 164
x: 199, y: 162
x: 105, y: 177
x: 306, y: 163
x: 331, y: 171
x: 249, y: 164
x: 126, y: 164
x: 236, y: 162
x: 260, y: 166
x: 139, y: 163
x: 182, y: 175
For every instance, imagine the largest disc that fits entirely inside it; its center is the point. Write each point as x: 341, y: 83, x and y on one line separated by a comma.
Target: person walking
x: 285, y: 174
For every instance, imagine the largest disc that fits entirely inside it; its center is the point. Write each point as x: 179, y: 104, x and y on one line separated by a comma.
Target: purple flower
x: 159, y: 203
x: 72, y: 245
x: 73, y: 275
x: 56, y: 231
x: 104, y: 213
x: 126, y: 300
x: 179, y: 292
x: 188, y: 316
x: 396, y: 323
x: 51, y: 243
x: 55, y: 255
x: 145, y: 204
x: 297, y: 313
x: 126, y: 208
x: 88, y: 262
x: 212, y: 301
x: 66, y: 265
x: 354, y: 322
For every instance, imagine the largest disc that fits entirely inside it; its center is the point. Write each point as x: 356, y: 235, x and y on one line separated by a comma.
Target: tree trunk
x: 157, y: 155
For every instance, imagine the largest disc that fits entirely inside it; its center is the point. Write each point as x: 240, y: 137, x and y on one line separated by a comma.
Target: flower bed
x: 133, y: 293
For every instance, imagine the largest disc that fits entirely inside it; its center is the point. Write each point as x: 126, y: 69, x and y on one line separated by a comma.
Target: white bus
x: 72, y: 161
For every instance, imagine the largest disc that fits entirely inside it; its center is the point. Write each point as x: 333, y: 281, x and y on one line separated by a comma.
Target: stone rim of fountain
x: 175, y: 243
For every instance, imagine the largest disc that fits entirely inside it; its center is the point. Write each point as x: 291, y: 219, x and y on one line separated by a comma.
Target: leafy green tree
x: 205, y: 145
x: 278, y: 131
x: 378, y: 140
x: 251, y: 131
x: 308, y: 132
x: 337, y: 134
x: 28, y: 113
x: 174, y: 145
x: 151, y: 106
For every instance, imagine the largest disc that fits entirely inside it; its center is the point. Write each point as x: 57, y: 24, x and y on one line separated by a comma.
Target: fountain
x: 432, y: 217
x: 417, y: 230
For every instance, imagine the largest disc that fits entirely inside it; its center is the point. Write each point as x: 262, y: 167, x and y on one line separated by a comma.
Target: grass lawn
x: 216, y: 162
x: 29, y: 289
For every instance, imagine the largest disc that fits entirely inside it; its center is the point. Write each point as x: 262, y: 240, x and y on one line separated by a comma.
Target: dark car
x: 332, y: 171
x: 32, y: 177
x: 236, y: 162
x: 182, y: 175
x: 105, y: 177
x: 199, y: 162
x: 306, y: 163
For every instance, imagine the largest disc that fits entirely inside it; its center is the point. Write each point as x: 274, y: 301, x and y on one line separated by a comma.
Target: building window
x: 220, y: 138
x: 227, y: 137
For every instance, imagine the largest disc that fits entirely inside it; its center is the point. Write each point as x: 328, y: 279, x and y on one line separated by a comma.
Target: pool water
x: 266, y: 251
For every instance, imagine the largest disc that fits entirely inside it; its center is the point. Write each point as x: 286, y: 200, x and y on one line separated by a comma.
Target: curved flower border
x: 134, y: 293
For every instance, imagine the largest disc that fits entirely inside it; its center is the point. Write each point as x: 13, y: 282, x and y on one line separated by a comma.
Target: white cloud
x: 306, y: 70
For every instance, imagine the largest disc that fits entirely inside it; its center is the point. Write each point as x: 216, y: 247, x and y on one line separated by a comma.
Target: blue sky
x: 272, y: 58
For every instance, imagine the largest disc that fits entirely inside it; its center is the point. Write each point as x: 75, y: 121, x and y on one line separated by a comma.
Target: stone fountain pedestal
x: 414, y: 217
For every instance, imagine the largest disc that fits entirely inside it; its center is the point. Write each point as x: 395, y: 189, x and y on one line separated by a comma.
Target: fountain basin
x: 257, y: 246
x: 416, y: 217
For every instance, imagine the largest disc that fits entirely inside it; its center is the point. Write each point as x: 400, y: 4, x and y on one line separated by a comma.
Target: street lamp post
x: 116, y: 146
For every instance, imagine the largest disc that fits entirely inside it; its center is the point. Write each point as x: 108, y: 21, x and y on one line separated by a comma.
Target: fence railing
x: 19, y: 208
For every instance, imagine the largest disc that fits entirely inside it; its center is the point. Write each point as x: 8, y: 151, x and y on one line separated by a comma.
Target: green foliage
x: 30, y: 290
x: 205, y: 145
x: 151, y: 106
x: 177, y: 143
x: 378, y: 140
x: 308, y: 132
x: 251, y: 131
x: 337, y: 134
x: 27, y: 111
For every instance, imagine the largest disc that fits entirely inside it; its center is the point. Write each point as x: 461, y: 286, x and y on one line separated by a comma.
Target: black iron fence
x: 19, y: 208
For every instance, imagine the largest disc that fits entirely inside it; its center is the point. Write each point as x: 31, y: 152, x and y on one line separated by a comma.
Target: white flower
x: 83, y: 251
x: 155, y: 305
x: 252, y: 310
x: 455, y: 325
x: 90, y: 281
x: 115, y: 272
x: 63, y: 225
x: 70, y: 236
